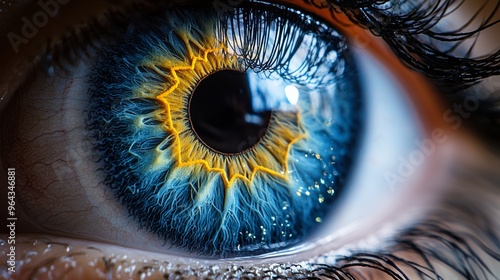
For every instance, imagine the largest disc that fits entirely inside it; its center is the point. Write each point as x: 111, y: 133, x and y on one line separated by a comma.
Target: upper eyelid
x: 303, y: 8
x: 430, y: 51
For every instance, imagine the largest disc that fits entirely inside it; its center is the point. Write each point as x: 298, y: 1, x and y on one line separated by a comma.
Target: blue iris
x: 312, y: 90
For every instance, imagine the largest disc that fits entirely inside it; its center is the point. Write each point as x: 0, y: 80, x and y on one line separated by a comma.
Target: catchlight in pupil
x: 221, y: 113
x: 227, y: 134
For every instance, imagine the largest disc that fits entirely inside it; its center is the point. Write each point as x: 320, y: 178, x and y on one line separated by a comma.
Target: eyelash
x: 436, y: 64
x: 421, y: 47
x: 367, y: 14
x: 82, y: 41
x: 432, y: 240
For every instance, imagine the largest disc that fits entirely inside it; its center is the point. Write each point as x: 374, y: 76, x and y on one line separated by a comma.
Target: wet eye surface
x: 226, y: 134
x: 210, y: 134
x: 125, y: 135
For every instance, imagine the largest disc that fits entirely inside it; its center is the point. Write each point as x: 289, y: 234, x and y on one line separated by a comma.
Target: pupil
x: 221, y: 113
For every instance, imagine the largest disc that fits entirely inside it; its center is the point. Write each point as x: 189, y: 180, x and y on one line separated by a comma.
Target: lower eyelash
x: 448, y: 237
x: 436, y: 240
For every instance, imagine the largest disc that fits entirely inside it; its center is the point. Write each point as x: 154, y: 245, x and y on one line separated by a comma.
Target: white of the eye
x: 391, y: 143
x: 391, y: 128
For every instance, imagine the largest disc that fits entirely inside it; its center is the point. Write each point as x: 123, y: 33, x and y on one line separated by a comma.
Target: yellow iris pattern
x: 269, y: 157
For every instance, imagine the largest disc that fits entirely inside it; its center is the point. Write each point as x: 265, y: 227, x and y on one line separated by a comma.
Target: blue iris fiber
x: 190, y: 208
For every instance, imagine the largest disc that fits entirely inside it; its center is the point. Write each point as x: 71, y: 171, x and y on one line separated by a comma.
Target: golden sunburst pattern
x: 268, y: 158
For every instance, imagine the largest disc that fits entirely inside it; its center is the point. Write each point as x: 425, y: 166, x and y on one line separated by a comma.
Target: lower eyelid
x: 44, y: 256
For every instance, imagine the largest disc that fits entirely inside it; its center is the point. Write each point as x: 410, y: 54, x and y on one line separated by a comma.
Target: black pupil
x: 221, y: 113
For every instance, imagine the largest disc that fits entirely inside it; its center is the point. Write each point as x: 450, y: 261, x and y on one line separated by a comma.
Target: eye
x: 221, y: 133
x: 211, y: 134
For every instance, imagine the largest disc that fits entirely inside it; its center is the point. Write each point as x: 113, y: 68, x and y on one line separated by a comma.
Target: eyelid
x: 62, y: 21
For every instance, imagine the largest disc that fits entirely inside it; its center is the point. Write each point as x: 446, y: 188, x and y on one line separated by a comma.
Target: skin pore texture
x: 452, y: 232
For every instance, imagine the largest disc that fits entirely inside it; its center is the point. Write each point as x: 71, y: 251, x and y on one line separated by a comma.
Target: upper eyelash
x: 454, y: 75
x: 417, y: 45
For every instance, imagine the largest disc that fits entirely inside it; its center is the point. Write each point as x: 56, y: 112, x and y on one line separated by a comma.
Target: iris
x: 227, y: 134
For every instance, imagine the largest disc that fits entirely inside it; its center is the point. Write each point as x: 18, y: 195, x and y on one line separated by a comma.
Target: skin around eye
x: 91, y: 258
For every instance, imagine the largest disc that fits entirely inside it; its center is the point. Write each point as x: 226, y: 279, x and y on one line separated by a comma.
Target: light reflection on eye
x: 99, y: 196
